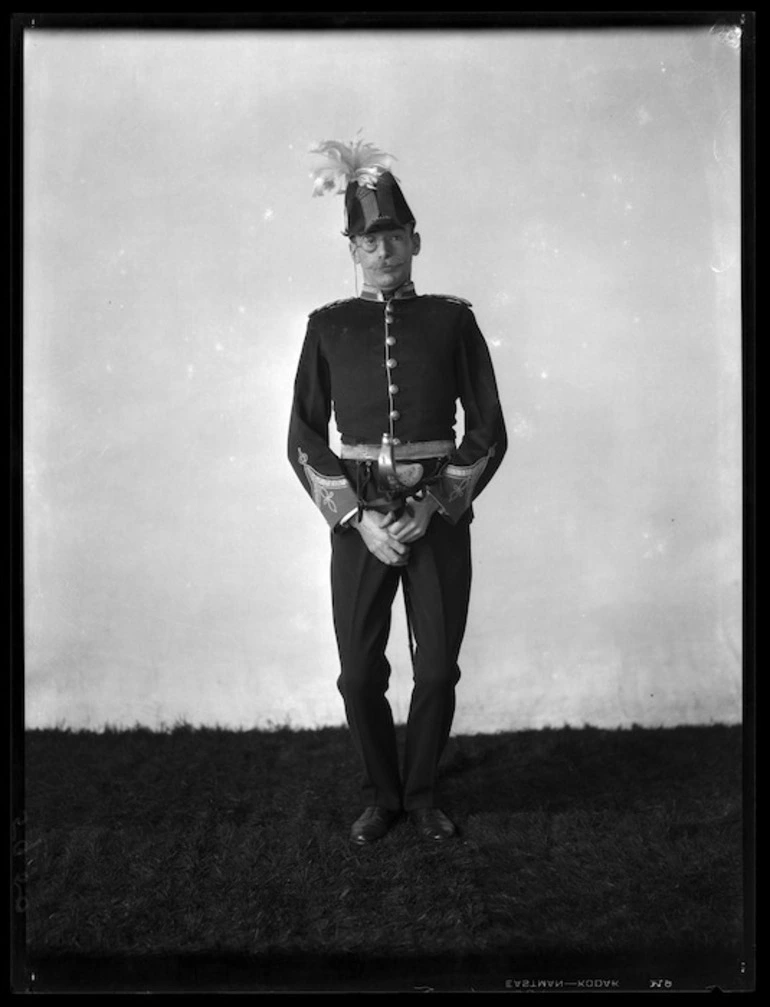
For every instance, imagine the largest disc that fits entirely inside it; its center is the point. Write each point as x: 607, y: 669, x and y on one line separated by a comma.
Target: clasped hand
x: 389, y: 537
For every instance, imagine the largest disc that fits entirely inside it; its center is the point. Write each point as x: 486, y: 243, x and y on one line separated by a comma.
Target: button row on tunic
x: 390, y: 363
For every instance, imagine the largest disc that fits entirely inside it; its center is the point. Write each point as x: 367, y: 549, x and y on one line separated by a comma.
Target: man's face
x: 386, y: 257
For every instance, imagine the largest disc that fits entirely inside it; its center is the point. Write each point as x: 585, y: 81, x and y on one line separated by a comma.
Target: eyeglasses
x: 370, y: 242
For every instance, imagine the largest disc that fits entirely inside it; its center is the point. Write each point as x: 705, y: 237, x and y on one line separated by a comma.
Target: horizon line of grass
x: 273, y: 727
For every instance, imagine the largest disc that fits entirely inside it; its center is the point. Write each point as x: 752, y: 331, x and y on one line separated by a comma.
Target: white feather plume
x: 357, y: 161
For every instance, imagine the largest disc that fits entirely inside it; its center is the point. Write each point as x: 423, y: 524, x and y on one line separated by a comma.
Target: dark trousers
x: 437, y: 584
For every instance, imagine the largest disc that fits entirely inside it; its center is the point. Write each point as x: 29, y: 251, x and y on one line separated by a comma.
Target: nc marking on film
x: 19, y: 851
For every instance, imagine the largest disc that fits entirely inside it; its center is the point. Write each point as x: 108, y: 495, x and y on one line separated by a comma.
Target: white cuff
x: 348, y: 516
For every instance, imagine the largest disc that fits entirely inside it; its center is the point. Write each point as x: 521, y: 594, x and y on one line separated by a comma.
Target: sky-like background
x: 580, y: 187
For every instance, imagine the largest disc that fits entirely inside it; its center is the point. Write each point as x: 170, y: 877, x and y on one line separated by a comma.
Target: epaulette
x: 332, y: 304
x: 451, y: 297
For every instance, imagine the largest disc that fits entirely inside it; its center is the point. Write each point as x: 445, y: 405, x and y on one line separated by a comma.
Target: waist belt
x: 412, y: 449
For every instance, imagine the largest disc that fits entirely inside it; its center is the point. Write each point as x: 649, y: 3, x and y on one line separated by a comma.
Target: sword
x: 394, y: 478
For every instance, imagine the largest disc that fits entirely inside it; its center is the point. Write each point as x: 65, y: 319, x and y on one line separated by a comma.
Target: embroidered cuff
x: 454, y: 490
x: 333, y: 495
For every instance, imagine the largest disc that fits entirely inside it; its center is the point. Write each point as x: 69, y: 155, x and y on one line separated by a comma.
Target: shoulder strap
x: 453, y: 299
x: 331, y: 304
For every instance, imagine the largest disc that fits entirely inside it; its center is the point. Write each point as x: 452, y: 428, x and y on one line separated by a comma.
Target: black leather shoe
x: 372, y: 825
x: 432, y: 824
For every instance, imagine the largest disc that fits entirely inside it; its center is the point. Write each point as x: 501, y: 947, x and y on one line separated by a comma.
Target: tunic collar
x: 373, y: 294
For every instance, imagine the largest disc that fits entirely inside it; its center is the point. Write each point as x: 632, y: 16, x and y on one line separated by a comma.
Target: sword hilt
x: 386, y: 466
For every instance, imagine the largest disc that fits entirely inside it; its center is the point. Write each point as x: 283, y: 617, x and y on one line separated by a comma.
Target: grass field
x: 216, y: 860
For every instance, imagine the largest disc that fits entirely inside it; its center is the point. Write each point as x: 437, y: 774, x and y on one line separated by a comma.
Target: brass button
x: 393, y: 389
x: 392, y: 363
x: 395, y: 414
x: 390, y: 340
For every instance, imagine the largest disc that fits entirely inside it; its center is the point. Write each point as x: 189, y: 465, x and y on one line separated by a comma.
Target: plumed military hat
x: 361, y: 173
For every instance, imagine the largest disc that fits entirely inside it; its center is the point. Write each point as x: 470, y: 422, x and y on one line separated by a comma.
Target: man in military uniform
x: 392, y: 365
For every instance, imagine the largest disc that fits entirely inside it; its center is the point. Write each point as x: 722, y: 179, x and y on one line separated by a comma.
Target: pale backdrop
x: 581, y: 188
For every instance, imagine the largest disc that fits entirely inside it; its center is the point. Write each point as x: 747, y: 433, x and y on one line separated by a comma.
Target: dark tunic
x: 438, y: 356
